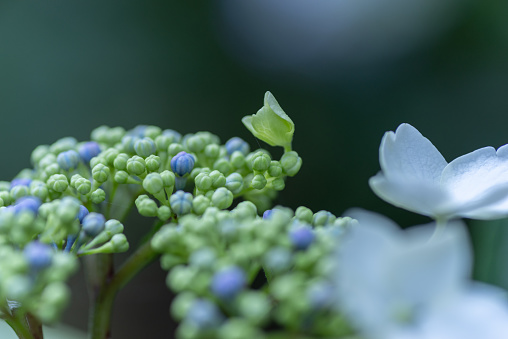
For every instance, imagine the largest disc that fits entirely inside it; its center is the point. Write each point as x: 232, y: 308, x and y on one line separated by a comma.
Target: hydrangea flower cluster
x: 240, y: 267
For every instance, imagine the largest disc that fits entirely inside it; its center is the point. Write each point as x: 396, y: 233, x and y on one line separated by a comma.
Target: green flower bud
x: 62, y: 266
x: 83, y: 186
x: 68, y: 209
x: 98, y: 160
x: 17, y: 287
x: 119, y: 243
x: 203, y: 182
x: 271, y: 124
x: 52, y: 169
x: 63, y: 145
x: 162, y: 142
x: 164, y: 213
x: 200, y: 204
x: 153, y: 183
x: 110, y: 156
x: 38, y: 153
x: 254, y: 306
x: 248, y: 208
x: 223, y: 166
x: 236, y: 328
x: 6, y: 197
x: 212, y: 151
x: 305, y: 214
x: 152, y: 131
x: 278, y: 184
x: 5, y: 186
x: 100, y: 173
x: 291, y: 163
x: 144, y: 147
x: 218, y: 179
x: 260, y: 161
x: 109, y: 136
x: 121, y: 177
x: 146, y: 206
x: 168, y: 178
x: 120, y: 161
x: 195, y: 143
x: 234, y: 183
x: 222, y: 198
x: 153, y: 162
x: 136, y: 165
x: 174, y: 149
x: 322, y: 218
x: 182, y: 303
x: 258, y: 182
x: 19, y: 191
x: 1, y: 203
x: 58, y: 183
x: 237, y: 159
x: 47, y: 160
x: 275, y: 169
x: 98, y: 196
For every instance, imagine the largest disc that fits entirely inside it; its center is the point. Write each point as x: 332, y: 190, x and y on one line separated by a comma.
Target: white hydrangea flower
x: 415, y: 176
x: 394, y: 284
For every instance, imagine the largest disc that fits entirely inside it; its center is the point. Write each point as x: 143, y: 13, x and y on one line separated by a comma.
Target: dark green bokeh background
x: 67, y: 67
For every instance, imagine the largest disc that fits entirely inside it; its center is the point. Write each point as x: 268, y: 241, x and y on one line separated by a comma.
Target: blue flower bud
x: 301, y: 236
x: 83, y: 212
x: 237, y: 144
x: 204, y: 314
x: 27, y: 203
x: 21, y: 182
x: 144, y: 147
x: 228, y: 282
x: 319, y: 295
x: 234, y: 183
x: 267, y: 214
x: 182, y: 163
x: 38, y: 255
x: 181, y: 202
x: 68, y: 160
x: 89, y: 150
x: 93, y: 224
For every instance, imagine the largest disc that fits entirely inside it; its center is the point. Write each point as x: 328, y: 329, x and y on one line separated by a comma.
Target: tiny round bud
x: 19, y: 191
x: 153, y: 183
x: 63, y: 144
x: 200, y: 204
x: 40, y: 190
x: 173, y: 135
x: 182, y: 163
x: 237, y: 159
x: 223, y: 166
x: 68, y: 160
x: 21, y: 182
x: 38, y: 153
x: 195, y: 143
x: 93, y: 224
x: 304, y: 214
x: 164, y: 213
x: 218, y: 179
x: 58, y: 182
x: 322, y: 218
x: 146, y: 206
x: 153, y: 162
x: 100, y: 173
x: 83, y: 186
x: 203, y: 182
x: 291, y: 163
x: 68, y: 209
x: 136, y: 165
x: 121, y: 177
x: 162, y: 143
x: 144, y: 147
x: 260, y: 161
x: 27, y: 203
x: 237, y: 144
x: 204, y: 314
x: 267, y: 214
x: 89, y: 150
x: 301, y: 236
x: 234, y: 183
x: 120, y: 162
x: 181, y: 202
x: 168, y: 178
x: 38, y: 255
x: 228, y: 282
x: 278, y: 259
x: 258, y: 182
x: 83, y: 212
x: 174, y: 149
x: 119, y: 243
x: 275, y: 169
x: 212, y: 151
x: 98, y: 196
x: 278, y: 184
x: 110, y: 155
x: 222, y: 198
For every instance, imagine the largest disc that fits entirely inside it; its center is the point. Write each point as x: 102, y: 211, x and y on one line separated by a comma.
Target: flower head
x: 415, y: 176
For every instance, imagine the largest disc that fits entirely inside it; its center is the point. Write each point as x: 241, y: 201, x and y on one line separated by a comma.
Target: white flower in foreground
x: 415, y: 176
x: 394, y: 284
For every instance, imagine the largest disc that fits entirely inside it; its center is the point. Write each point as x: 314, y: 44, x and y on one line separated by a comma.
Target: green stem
x: 103, y: 305
x: 26, y: 326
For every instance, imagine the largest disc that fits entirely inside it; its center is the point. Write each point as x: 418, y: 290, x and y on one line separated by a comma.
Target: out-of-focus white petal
x: 412, y: 195
x: 408, y: 154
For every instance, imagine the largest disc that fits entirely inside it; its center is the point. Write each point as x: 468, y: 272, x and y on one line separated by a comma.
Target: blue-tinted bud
x: 234, y: 183
x: 301, y: 236
x: 228, y: 282
x: 267, y: 214
x: 89, y: 150
x: 38, y: 255
x: 319, y: 294
x: 204, y: 314
x: 68, y: 160
x: 173, y: 135
x: 182, y: 163
x: 138, y: 131
x: 237, y: 144
x: 21, y: 182
x: 128, y: 142
x: 144, y: 147
x: 63, y: 144
x: 93, y: 224
x: 181, y: 202
x: 28, y: 203
x: 83, y: 212
x: 19, y: 191
x: 277, y: 259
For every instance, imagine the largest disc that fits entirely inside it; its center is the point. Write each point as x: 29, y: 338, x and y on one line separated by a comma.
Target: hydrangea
x: 415, y: 176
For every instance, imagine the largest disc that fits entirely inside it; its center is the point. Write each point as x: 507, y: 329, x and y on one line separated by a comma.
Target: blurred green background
x: 67, y: 67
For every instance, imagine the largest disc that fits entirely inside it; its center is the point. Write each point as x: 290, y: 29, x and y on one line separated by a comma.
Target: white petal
x: 478, y: 182
x: 408, y: 154
x: 414, y: 195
